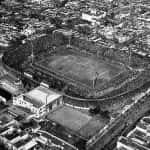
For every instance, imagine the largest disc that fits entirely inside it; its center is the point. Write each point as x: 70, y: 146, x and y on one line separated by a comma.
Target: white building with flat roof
x: 39, y: 100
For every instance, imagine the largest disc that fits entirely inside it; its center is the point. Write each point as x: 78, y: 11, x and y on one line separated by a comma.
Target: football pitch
x: 83, y: 69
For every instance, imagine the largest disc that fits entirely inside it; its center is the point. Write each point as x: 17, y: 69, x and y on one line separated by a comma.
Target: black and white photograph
x: 74, y: 74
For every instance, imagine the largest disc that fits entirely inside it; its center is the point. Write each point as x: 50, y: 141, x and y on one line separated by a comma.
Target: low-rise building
x: 16, y: 139
x: 39, y: 100
x: 138, y: 138
x: 10, y: 87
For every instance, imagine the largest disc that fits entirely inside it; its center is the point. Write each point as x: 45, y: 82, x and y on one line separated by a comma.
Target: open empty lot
x: 70, y: 118
x: 77, y: 121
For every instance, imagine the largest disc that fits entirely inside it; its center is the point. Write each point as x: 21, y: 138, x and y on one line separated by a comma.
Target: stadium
x: 79, y: 68
x: 84, y: 77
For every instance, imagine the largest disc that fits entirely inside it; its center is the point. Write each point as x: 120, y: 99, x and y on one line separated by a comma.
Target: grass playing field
x: 83, y: 69
x: 78, y: 121
x: 71, y: 118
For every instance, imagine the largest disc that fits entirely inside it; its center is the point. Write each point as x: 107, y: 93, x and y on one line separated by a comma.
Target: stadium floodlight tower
x: 46, y: 102
x: 95, y: 79
x: 69, y: 35
x: 32, y: 52
x: 130, y: 57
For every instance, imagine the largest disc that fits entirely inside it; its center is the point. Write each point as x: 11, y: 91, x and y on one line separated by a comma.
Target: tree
x: 60, y: 3
x: 98, y: 110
